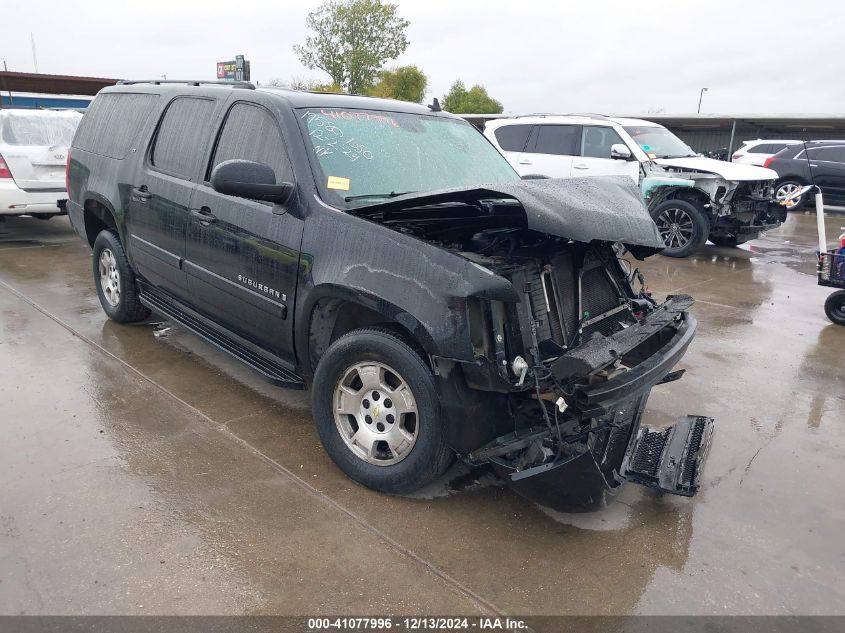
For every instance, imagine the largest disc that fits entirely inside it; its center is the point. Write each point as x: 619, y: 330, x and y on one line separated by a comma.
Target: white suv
x: 756, y: 152
x: 691, y: 198
x: 33, y: 155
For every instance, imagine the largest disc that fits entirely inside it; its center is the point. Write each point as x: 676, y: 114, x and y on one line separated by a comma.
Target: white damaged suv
x: 691, y: 198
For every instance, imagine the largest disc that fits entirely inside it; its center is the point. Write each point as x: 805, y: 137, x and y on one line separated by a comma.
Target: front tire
x: 115, y: 280
x: 683, y: 227
x: 787, y: 187
x: 834, y: 307
x: 377, y: 411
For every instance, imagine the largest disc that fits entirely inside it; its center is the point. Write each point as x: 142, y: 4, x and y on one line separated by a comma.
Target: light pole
x: 700, y: 97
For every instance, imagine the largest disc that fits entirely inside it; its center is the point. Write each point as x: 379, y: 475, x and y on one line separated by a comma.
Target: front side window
x: 596, y: 141
x: 364, y: 156
x: 658, y: 142
x: 828, y: 154
x: 182, y: 136
x: 251, y: 133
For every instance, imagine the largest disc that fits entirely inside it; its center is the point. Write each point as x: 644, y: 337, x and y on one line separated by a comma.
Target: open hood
x: 605, y: 208
x: 729, y: 171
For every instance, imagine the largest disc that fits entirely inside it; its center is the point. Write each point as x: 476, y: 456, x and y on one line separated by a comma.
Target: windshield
x: 658, y: 142
x: 368, y: 156
x: 46, y: 129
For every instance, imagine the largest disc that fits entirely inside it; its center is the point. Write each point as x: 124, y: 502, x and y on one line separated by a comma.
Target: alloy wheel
x: 109, y: 277
x: 375, y: 413
x: 676, y: 227
x: 784, y: 191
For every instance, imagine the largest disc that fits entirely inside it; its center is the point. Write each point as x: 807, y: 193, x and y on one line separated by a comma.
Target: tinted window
x: 181, y: 136
x: 597, y: 140
x: 558, y: 139
x: 835, y: 154
x: 767, y: 148
x: 251, y: 133
x: 513, y: 138
x: 113, y: 123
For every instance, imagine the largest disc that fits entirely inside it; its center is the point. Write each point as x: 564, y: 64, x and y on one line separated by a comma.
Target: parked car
x: 756, y: 152
x: 33, y: 155
x: 386, y: 255
x: 820, y: 163
x: 691, y: 198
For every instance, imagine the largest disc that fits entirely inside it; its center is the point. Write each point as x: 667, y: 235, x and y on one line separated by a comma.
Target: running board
x: 274, y: 372
x: 670, y: 459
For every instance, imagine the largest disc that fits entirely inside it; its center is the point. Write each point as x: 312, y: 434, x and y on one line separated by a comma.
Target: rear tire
x: 377, y: 411
x: 784, y: 188
x: 683, y: 227
x: 834, y: 307
x: 115, y: 280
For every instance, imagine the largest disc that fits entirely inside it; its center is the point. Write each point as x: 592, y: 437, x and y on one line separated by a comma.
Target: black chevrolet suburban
x: 386, y: 255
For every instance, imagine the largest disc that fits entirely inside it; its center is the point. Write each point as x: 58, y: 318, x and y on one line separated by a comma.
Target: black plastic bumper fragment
x: 601, y: 351
x: 670, y: 459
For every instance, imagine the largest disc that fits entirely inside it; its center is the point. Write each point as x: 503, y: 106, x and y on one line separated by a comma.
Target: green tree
x: 352, y: 39
x: 459, y: 100
x: 406, y: 83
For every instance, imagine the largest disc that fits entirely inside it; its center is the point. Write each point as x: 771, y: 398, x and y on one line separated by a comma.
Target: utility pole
x: 34, y: 57
x: 700, y: 97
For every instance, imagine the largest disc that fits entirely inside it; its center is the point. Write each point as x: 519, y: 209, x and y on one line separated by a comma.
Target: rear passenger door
x: 828, y: 165
x: 550, y: 151
x: 595, y: 160
x: 160, y: 196
x: 243, y: 255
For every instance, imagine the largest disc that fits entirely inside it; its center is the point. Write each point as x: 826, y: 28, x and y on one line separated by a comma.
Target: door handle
x: 204, y: 215
x: 525, y: 161
x: 811, y: 165
x: 142, y: 193
x: 580, y: 166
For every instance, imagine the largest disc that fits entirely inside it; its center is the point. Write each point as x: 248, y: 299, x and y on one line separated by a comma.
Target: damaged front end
x: 584, y: 355
x: 570, y: 363
x: 739, y: 208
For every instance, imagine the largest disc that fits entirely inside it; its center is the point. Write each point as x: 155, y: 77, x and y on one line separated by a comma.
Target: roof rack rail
x: 190, y: 82
x: 585, y: 115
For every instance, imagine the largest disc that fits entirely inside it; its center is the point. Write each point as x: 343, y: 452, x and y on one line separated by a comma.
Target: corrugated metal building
x: 711, y: 132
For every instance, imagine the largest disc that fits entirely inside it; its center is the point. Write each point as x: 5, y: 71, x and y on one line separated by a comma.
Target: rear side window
x: 597, y: 140
x: 182, y: 136
x: 113, y: 123
x: 512, y: 138
x: 835, y: 154
x: 561, y: 140
x: 250, y: 133
x: 767, y: 148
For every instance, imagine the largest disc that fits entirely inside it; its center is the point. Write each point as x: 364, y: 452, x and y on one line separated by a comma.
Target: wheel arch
x: 333, y: 311
x: 98, y: 214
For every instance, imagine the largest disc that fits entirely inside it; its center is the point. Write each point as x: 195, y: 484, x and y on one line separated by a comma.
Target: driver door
x: 595, y: 160
x: 242, y: 255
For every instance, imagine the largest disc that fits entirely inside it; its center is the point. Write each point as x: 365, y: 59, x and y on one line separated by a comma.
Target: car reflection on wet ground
x: 153, y: 474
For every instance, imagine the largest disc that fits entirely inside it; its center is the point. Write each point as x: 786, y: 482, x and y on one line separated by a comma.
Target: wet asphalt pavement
x: 148, y: 474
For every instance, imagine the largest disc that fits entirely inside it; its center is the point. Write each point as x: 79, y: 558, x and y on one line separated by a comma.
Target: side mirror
x: 619, y: 151
x: 248, y: 179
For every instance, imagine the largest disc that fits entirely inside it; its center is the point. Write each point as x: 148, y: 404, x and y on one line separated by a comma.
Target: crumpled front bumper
x: 616, y: 451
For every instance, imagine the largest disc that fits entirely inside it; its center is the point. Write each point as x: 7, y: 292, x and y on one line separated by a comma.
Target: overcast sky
x: 630, y: 56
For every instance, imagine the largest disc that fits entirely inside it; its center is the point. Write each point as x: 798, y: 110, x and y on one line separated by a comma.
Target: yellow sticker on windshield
x: 336, y: 182
x: 652, y: 156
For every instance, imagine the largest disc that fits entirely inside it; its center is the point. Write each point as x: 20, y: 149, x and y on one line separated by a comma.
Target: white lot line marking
x: 484, y: 606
